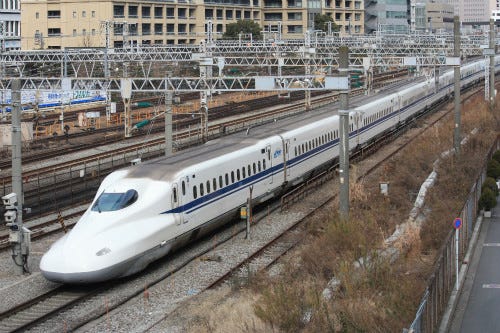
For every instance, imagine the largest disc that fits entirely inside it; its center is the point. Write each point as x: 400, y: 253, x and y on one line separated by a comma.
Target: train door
x: 286, y: 158
x: 176, y: 201
x: 357, y: 124
x: 268, y: 162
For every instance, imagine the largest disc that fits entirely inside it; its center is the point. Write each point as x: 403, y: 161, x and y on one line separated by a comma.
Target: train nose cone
x: 71, y: 262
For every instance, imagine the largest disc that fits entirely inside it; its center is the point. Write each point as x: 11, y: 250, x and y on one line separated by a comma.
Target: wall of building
x: 68, y: 23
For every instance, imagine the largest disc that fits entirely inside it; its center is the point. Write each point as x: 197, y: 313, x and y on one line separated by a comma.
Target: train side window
x: 258, y: 165
x: 299, y: 150
x: 317, y: 143
x: 249, y: 170
x: 303, y: 150
x: 238, y: 174
x: 254, y: 168
x: 243, y: 173
x: 195, y: 192
x: 201, y: 190
x: 227, y: 179
x: 220, y: 182
x: 183, y: 188
x: 232, y: 177
x: 214, y: 184
x: 264, y: 164
x: 208, y: 186
x: 295, y: 150
x: 174, y: 192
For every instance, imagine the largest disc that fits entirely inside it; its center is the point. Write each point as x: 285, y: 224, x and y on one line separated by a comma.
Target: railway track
x: 38, y: 309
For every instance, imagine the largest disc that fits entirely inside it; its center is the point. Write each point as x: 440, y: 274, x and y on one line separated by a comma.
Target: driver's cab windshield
x: 108, y: 202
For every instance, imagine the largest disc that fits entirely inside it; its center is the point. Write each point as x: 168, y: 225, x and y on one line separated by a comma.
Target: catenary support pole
x: 456, y: 53
x: 492, y: 65
x: 168, y: 124
x: 344, y: 137
x: 17, y: 177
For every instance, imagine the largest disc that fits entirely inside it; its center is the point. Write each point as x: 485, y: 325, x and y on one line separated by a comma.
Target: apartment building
x: 10, y: 25
x: 51, y: 24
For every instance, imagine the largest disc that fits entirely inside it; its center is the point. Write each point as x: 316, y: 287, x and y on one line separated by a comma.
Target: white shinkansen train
x: 143, y: 212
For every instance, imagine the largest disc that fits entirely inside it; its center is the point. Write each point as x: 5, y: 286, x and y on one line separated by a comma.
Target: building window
x: 118, y: 29
x: 84, y: 13
x: 93, y: 32
x: 54, y: 14
x: 159, y: 12
x: 54, y: 32
x: 37, y: 15
x: 84, y: 32
x: 146, y: 12
x: 170, y: 13
x: 158, y: 28
x: 118, y: 11
x: 93, y: 13
x: 74, y: 14
x: 74, y: 32
x: 146, y: 29
x: 133, y: 11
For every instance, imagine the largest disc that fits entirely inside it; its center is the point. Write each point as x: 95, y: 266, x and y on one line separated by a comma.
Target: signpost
x: 457, y: 224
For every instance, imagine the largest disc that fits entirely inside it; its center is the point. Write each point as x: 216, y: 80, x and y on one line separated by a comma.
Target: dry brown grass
x: 223, y: 311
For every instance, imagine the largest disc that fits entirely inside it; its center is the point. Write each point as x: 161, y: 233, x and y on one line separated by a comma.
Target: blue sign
x: 457, y: 224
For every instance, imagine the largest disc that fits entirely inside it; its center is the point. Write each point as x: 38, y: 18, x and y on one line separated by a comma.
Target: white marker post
x: 457, y: 224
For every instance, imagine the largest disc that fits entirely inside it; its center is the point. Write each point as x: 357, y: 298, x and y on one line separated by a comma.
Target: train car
x: 143, y: 212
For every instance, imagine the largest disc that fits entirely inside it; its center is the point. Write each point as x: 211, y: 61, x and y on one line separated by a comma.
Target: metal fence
x: 442, y: 280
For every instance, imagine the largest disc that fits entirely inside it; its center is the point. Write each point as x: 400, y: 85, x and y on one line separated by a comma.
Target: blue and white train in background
x: 51, y: 99
x: 143, y: 212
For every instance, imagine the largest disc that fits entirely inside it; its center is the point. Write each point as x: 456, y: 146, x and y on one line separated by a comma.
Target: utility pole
x: 492, y: 64
x: 456, y: 53
x: 127, y: 91
x: 168, y: 120
x: 19, y: 236
x: 344, y: 137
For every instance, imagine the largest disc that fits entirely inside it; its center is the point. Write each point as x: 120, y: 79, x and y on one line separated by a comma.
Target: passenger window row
x: 229, y: 178
x: 378, y: 115
x: 303, y: 148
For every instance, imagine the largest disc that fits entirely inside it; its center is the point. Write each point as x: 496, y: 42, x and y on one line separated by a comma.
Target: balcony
x: 54, y: 14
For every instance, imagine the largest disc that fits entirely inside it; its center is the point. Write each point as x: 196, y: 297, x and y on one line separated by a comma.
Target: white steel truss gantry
x: 148, y: 60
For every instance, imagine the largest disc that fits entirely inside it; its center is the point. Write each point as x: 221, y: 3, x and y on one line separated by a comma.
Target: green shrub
x: 496, y: 156
x: 487, y: 200
x: 491, y: 184
x: 493, y: 169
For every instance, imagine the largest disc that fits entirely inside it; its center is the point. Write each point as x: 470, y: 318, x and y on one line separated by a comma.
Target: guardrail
x: 442, y: 280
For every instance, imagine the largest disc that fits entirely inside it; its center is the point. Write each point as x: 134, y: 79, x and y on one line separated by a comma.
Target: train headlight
x: 103, y: 251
